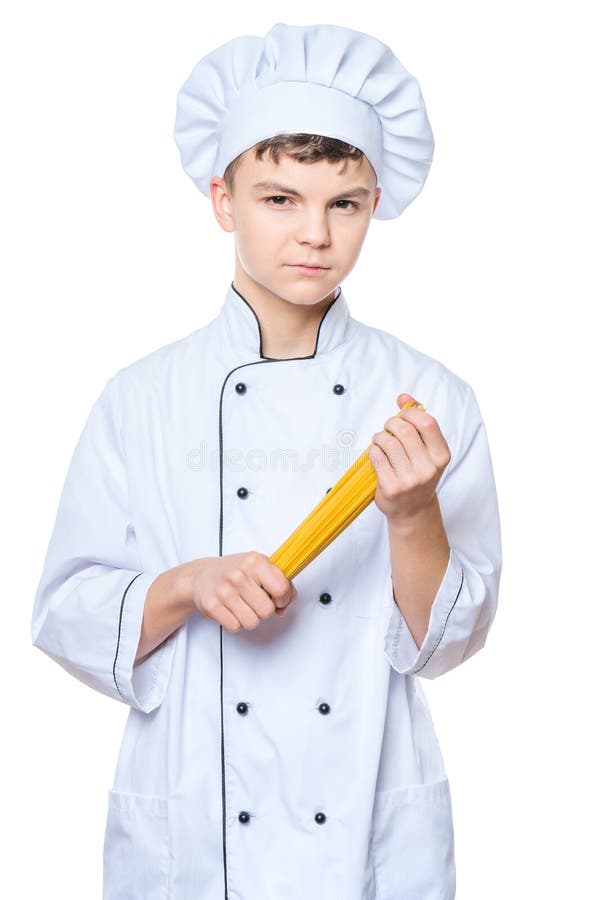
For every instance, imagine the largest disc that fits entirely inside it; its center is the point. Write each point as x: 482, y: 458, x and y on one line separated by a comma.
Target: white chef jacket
x: 298, y: 759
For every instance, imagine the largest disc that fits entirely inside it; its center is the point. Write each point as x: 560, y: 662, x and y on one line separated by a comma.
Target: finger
x: 403, y: 399
x: 418, y: 449
x: 429, y: 432
x: 404, y: 434
x: 273, y: 581
x: 386, y: 476
x: 246, y: 599
x: 279, y: 610
x: 243, y: 612
x: 224, y: 617
x: 395, y: 450
x: 258, y: 599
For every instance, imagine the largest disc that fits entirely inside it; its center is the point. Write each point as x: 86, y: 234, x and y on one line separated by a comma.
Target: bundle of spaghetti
x: 348, y: 497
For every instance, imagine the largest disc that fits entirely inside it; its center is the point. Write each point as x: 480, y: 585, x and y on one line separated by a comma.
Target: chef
x: 298, y: 758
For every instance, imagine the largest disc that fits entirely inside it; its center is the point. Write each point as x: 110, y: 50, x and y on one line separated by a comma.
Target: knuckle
x: 224, y: 592
x: 442, y: 459
x: 211, y: 603
x: 237, y: 577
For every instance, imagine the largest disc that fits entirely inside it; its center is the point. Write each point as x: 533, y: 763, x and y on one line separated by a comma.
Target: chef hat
x: 312, y: 79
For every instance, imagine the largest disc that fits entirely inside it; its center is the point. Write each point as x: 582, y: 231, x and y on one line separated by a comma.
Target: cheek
x: 247, y: 235
x: 261, y: 246
x: 351, y: 234
x: 263, y: 234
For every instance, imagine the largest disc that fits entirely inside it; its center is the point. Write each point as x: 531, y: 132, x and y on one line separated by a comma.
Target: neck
x: 287, y: 329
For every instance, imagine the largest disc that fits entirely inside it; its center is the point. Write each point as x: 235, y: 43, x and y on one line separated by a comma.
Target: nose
x: 313, y: 229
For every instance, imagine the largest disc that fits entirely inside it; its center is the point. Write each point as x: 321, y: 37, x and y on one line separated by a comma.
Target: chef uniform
x: 298, y: 759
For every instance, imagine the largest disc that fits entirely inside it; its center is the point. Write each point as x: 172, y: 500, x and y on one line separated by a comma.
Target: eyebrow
x: 281, y: 188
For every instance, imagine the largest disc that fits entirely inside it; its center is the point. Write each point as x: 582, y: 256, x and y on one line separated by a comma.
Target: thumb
x: 403, y: 399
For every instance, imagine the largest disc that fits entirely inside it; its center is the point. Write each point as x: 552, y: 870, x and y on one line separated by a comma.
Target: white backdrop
x: 110, y: 252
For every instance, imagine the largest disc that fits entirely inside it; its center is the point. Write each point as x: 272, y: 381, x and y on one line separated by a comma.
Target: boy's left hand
x: 408, y: 456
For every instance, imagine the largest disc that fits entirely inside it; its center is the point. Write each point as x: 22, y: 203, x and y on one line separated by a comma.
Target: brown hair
x: 302, y: 147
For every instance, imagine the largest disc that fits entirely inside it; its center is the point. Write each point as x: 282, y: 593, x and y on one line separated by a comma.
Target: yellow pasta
x: 348, y: 497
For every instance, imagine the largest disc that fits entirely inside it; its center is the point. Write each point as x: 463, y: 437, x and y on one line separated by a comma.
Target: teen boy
x: 279, y: 743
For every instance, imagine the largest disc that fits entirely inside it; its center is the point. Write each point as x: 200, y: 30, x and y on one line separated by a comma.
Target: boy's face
x: 321, y: 224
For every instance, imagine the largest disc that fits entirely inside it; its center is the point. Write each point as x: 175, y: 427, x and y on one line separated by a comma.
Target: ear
x: 221, y: 203
x: 377, y: 196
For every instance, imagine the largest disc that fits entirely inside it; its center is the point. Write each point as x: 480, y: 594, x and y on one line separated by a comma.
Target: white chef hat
x: 311, y: 79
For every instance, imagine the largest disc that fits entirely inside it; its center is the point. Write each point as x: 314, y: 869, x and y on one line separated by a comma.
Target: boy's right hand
x: 240, y: 589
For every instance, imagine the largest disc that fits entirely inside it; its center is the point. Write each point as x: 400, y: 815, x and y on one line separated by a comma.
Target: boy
x: 278, y: 743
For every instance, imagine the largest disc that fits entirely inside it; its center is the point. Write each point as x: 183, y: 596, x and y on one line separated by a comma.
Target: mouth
x: 310, y: 270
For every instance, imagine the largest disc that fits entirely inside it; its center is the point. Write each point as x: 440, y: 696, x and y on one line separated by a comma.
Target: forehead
x: 327, y: 174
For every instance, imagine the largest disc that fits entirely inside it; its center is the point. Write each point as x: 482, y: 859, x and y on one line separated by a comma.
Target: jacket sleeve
x: 466, y: 601
x: 89, y: 603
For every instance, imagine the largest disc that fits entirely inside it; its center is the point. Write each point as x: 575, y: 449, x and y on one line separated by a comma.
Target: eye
x: 277, y: 197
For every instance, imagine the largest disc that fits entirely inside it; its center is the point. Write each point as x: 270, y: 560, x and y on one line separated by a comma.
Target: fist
x: 409, y: 456
x: 240, y: 589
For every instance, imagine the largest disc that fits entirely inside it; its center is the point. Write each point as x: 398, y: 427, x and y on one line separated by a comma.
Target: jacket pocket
x: 136, y: 847
x: 413, y: 842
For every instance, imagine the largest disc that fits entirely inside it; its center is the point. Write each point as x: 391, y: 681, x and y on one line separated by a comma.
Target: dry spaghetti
x: 348, y: 497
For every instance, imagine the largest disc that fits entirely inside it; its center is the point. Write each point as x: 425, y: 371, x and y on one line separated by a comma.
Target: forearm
x: 168, y: 604
x: 419, y: 552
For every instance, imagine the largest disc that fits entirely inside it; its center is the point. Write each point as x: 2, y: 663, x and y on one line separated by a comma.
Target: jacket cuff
x: 400, y: 648
x: 143, y: 685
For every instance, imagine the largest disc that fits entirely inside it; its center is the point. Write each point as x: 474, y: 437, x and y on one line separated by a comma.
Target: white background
x: 109, y: 251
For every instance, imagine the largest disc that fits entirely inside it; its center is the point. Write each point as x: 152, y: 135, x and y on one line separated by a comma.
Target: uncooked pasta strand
x: 348, y: 497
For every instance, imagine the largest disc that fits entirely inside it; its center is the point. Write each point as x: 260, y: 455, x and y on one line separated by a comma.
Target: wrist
x: 407, y: 525
x: 183, y: 586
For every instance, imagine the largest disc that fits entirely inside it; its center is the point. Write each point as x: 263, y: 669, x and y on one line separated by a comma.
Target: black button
x: 242, y: 492
x: 325, y: 598
x: 324, y: 708
x: 240, y: 387
x: 242, y: 708
x: 244, y: 817
x: 320, y: 818
x: 338, y: 389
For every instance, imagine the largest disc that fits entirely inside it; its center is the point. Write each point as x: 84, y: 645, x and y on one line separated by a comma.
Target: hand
x: 240, y: 589
x: 409, y: 457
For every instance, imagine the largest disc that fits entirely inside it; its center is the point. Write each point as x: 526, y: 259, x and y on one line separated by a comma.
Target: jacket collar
x: 243, y: 329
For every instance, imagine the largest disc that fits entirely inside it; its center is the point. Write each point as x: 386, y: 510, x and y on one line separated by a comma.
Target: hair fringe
x: 305, y: 148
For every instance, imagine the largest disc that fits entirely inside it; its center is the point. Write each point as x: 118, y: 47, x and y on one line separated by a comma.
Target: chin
x: 308, y: 290
x: 301, y: 298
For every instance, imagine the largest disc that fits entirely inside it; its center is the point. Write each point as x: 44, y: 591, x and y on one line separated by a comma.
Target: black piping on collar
x: 276, y: 358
